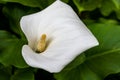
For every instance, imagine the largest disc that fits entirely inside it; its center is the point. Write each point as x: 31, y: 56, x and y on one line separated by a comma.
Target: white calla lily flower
x: 58, y: 36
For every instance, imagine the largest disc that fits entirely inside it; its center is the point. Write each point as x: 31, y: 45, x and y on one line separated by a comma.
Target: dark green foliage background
x: 99, y: 63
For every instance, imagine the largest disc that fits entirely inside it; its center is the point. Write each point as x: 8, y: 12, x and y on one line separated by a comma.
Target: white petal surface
x: 67, y: 37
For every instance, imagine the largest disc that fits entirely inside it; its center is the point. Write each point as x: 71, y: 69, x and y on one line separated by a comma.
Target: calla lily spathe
x: 67, y: 37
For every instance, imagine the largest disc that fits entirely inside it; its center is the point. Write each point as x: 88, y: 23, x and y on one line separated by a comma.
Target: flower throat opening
x: 41, y: 46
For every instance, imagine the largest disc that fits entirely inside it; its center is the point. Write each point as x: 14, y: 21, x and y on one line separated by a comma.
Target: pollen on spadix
x: 41, y: 43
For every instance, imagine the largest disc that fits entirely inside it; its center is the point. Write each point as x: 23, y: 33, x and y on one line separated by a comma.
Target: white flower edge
x: 67, y: 36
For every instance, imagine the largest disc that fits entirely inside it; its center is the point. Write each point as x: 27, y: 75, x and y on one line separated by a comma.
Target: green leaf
x: 14, y: 12
x: 4, y: 75
x: 23, y: 74
x: 110, y: 6
x: 33, y: 3
x: 117, y: 3
x: 65, y: 1
x: 10, y: 50
x: 88, y: 5
x: 82, y: 72
x: 107, y: 53
x: 101, y: 60
x: 76, y: 62
x: 118, y: 14
x: 107, y: 6
x: 111, y: 21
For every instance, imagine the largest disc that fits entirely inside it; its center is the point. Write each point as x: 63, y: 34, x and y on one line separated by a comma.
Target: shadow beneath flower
x: 113, y: 77
x: 43, y: 75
